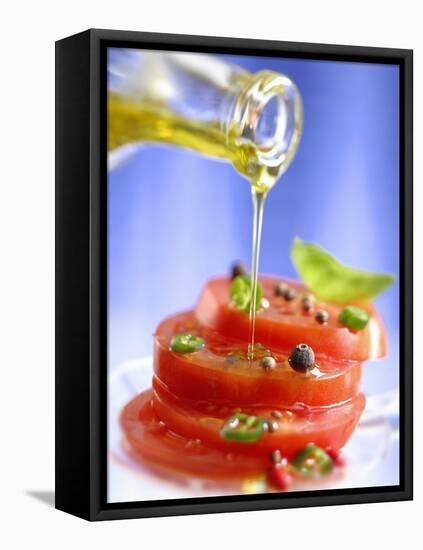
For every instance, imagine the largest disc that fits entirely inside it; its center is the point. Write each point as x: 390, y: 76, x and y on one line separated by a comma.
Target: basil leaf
x: 240, y: 293
x: 333, y: 281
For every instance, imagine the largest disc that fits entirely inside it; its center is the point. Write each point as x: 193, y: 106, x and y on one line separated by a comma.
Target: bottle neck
x: 266, y: 123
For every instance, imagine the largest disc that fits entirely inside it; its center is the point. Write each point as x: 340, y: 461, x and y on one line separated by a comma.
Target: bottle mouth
x: 268, y: 116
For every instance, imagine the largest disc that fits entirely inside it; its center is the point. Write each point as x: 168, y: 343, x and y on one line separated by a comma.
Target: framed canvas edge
x: 99, y: 509
x: 72, y: 297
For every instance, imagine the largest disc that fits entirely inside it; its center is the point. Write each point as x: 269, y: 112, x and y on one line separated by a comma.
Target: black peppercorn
x: 322, y: 316
x: 301, y: 358
x: 272, y: 426
x: 308, y: 302
x: 290, y: 294
x: 280, y: 289
x: 238, y: 269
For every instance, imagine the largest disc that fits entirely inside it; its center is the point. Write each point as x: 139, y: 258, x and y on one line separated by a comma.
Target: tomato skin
x: 283, y: 325
x: 209, y: 377
x: 150, y: 442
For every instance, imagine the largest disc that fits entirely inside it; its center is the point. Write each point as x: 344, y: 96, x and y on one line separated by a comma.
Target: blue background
x: 176, y: 218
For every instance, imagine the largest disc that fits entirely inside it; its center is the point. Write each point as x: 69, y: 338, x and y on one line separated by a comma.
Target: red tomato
x: 150, y: 441
x: 323, y: 426
x: 284, y: 324
x: 212, y: 375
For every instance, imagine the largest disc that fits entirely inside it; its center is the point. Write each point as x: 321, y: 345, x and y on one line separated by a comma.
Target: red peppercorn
x: 278, y: 477
x: 337, y: 457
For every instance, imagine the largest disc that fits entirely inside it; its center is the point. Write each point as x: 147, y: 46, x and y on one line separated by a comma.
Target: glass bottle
x: 206, y: 104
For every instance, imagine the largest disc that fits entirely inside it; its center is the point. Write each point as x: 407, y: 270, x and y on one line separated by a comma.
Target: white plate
x: 375, y: 438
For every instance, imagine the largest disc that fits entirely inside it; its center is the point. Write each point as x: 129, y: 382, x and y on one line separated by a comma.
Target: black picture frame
x: 81, y: 274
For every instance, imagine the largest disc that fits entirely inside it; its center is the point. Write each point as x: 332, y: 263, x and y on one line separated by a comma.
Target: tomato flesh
x: 324, y: 426
x: 178, y: 425
x: 213, y: 374
x: 153, y: 441
x: 284, y: 324
x: 150, y: 441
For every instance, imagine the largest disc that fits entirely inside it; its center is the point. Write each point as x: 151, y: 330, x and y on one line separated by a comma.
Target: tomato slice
x: 150, y: 441
x: 215, y: 375
x: 323, y: 426
x: 284, y: 324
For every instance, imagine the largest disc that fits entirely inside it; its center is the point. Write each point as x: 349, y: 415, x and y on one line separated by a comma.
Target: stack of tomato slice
x: 182, y: 422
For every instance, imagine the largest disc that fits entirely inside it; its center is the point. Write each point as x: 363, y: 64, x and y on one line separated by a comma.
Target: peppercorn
x: 268, y: 362
x: 301, y: 358
x: 308, y: 302
x: 278, y: 477
x: 290, y: 294
x: 276, y: 456
x: 238, y: 269
x: 322, y: 316
x: 276, y: 414
x: 272, y: 426
x: 337, y: 457
x: 280, y: 289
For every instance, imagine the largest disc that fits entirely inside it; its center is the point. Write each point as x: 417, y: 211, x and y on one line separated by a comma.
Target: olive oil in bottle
x: 210, y: 106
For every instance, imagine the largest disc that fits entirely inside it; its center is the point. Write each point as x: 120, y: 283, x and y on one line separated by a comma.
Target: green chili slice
x: 186, y: 343
x: 243, y: 428
x: 240, y: 293
x: 312, y: 461
x: 353, y: 317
